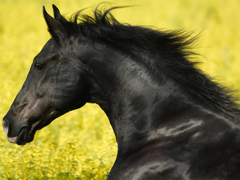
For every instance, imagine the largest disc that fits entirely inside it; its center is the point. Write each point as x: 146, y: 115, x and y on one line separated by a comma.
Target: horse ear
x: 55, y: 28
x: 57, y: 14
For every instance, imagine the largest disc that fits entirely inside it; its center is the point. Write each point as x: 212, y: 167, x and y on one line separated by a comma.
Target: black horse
x: 171, y: 121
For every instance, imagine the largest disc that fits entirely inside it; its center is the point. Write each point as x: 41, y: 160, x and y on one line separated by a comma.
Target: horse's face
x: 54, y: 86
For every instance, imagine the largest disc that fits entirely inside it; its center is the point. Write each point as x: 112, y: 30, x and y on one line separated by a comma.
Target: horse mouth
x: 25, y: 135
x: 25, y: 132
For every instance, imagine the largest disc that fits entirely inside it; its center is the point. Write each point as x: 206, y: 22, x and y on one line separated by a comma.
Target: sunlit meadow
x: 81, y: 144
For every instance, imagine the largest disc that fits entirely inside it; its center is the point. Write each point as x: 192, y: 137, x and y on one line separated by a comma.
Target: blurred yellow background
x: 81, y: 144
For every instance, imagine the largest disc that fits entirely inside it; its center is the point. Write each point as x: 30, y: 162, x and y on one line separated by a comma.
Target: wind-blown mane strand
x: 173, y: 48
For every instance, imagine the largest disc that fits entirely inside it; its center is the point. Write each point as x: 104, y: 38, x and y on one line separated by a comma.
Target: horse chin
x: 26, y: 135
x: 23, y: 137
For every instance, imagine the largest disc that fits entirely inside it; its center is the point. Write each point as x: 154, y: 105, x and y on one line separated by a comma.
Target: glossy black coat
x: 170, y: 120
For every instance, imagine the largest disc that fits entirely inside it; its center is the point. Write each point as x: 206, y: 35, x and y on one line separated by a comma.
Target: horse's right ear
x: 55, y: 28
x: 57, y: 14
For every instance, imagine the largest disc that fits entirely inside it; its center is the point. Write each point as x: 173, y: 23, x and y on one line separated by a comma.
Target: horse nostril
x: 20, y: 108
x: 5, y: 126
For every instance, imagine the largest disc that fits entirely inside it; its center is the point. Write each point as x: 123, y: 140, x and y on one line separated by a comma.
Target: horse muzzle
x: 20, y: 137
x: 5, y: 128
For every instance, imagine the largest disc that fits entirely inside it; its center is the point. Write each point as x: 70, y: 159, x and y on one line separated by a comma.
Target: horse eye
x: 38, y: 66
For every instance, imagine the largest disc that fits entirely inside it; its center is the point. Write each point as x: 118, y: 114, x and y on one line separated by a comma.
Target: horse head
x: 42, y: 97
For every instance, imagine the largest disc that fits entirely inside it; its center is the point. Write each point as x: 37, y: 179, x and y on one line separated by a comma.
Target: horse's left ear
x: 55, y: 27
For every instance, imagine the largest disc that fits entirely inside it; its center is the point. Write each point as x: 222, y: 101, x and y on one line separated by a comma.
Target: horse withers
x: 171, y: 121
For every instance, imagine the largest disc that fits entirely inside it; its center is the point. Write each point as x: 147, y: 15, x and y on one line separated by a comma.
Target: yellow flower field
x: 81, y: 144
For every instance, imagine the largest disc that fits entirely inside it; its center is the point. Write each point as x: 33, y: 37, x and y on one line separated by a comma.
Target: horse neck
x: 137, y: 98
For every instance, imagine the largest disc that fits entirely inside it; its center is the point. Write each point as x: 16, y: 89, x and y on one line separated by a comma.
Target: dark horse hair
x: 170, y: 120
x: 167, y: 45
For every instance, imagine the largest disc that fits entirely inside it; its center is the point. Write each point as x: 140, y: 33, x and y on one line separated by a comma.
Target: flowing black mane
x: 170, y: 120
x: 171, y: 48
